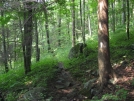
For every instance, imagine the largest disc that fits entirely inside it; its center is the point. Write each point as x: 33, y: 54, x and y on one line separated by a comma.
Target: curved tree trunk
x: 105, y: 68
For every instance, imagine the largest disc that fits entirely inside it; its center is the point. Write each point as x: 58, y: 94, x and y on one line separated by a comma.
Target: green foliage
x: 11, y: 97
x: 132, y: 82
x: 8, y: 80
x: 4, y: 20
x: 106, y: 97
x: 61, y: 2
x: 120, y: 95
x: 119, y: 45
x: 15, y: 80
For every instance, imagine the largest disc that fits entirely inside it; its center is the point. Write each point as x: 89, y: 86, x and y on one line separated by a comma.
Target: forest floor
x: 67, y: 88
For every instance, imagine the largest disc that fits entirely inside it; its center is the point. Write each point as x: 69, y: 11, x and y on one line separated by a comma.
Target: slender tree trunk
x: 124, y: 12
x: 27, y: 38
x: 15, y: 48
x: 83, y: 25
x: 22, y: 36
x: 37, y: 41
x: 132, y: 11
x: 73, y: 26
x: 113, y: 16
x: 59, y: 28
x: 128, y: 17
x: 76, y: 24
x: 9, y: 50
x: 4, y: 46
x: 105, y: 68
x: 81, y: 18
x: 89, y: 22
x: 68, y: 30
x: 46, y: 25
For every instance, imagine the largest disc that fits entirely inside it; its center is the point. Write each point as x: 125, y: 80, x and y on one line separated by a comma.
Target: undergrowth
x: 15, y: 81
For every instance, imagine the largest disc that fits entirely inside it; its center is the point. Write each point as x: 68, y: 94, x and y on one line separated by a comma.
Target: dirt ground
x: 65, y: 88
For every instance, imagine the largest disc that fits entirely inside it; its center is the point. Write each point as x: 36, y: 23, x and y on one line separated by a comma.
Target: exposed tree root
x: 106, y: 79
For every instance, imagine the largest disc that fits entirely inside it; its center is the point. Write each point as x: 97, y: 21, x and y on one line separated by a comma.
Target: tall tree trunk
x: 113, y: 16
x: 81, y: 18
x: 9, y: 49
x: 59, y: 27
x: 83, y: 25
x: 124, y: 12
x: 89, y: 22
x: 68, y: 30
x: 37, y: 41
x: 132, y: 6
x: 105, y: 68
x: 73, y: 26
x: 27, y: 37
x: 128, y: 15
x: 4, y: 46
x: 15, y: 47
x: 76, y: 24
x: 46, y: 25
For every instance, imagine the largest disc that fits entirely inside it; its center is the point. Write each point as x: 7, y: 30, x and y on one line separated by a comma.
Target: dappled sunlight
x: 28, y: 83
x: 65, y: 91
x: 125, y: 72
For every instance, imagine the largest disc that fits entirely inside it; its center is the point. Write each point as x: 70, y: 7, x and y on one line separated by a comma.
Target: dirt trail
x: 65, y: 88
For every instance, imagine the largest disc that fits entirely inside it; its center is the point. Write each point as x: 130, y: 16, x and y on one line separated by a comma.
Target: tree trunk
x: 124, y: 12
x: 46, y: 25
x: 37, y: 41
x: 83, y: 25
x: 9, y: 49
x: 73, y: 26
x: 76, y: 24
x: 113, y: 16
x: 4, y: 46
x: 68, y: 30
x: 81, y: 19
x: 59, y: 28
x: 105, y: 68
x: 27, y: 38
x: 89, y: 22
x: 128, y: 15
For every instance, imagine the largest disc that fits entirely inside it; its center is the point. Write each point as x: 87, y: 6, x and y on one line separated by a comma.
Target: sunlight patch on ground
x: 28, y: 83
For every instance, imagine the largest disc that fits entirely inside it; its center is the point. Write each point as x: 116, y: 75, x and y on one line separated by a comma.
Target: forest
x: 67, y: 50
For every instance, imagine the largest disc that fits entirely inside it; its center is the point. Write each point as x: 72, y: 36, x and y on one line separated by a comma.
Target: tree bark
x: 9, y: 49
x: 128, y: 15
x: 4, y: 46
x: 105, y: 68
x: 124, y: 12
x: 113, y: 16
x: 73, y: 26
x: 27, y: 37
x: 37, y: 41
x: 89, y: 22
x: 46, y: 25
x: 83, y: 25
x: 59, y: 27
